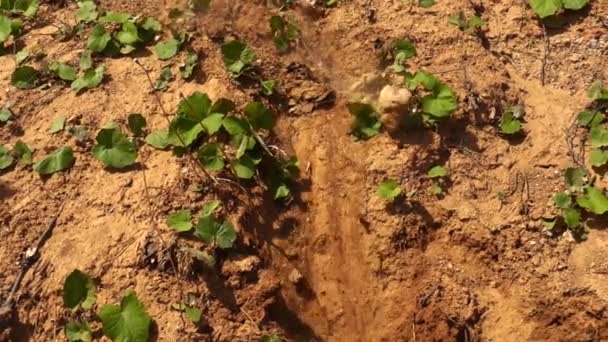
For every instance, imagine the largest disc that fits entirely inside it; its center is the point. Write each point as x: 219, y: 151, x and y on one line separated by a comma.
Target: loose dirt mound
x: 335, y: 262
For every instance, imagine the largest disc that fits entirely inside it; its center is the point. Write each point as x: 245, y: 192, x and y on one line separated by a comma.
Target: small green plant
x: 268, y: 87
x: 440, y: 176
x: 547, y: 8
x: 237, y: 57
x: 468, y: 25
x: 389, y: 189
x: 284, y: 32
x: 114, y: 149
x: 593, y: 118
x: 166, y: 76
x: 367, y: 120
x: 180, y: 221
x: 114, y: 35
x: 436, y: 100
x: 402, y: 50
x: 580, y: 199
x: 186, y: 69
x: 510, y: 123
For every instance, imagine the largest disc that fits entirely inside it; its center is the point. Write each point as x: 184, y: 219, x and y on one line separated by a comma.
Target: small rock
x: 393, y: 98
x: 295, y: 276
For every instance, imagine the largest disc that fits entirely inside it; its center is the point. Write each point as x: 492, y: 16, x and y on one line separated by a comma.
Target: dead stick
x: 31, y: 256
x: 547, y: 47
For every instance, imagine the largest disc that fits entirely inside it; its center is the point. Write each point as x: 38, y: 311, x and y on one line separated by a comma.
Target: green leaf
x: 213, y: 123
x: 90, y: 79
x: 136, y: 123
x: 196, y: 106
x: 23, y: 152
x: 237, y: 57
x: 165, y: 77
x: 259, y: 116
x: 151, y: 24
x: 87, y: 11
x: 128, y: 322
x: 575, y: 177
x: 5, y: 114
x: 441, y: 102
x: 78, y: 290
x: 6, y: 159
x: 283, y: 31
x: 28, y: 7
x: 575, y: 4
x: 438, y: 172
x: 244, y: 167
x: 167, y: 48
x: 193, y: 314
x: 115, y: 17
x: 180, y: 221
x: 57, y: 125
x: 187, y: 68
x: 114, y: 149
x: 98, y: 39
x: 158, y: 139
x: 128, y: 35
x: 572, y: 217
x: 78, y: 331
x: 86, y: 62
x: 210, y: 157
x: 210, y: 231
x: 183, y: 130
x: 64, y: 71
x: 404, y: 49
x: 590, y: 118
x: 5, y: 28
x: 598, y: 157
x: 210, y: 207
x: 598, y: 136
x: 389, y: 189
x: 235, y: 126
x: 562, y: 200
x: 21, y: 56
x: 24, y: 77
x: 61, y: 159
x: 593, y: 200
x: 597, y: 91
x: 546, y: 8
x: 268, y: 87
x: 436, y: 189
x: 367, y: 120
x: 426, y: 3
x: 509, y: 124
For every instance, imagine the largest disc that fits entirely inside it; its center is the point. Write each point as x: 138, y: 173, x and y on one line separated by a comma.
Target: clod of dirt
x: 295, y: 276
x: 393, y: 99
x: 394, y: 103
x: 241, y: 269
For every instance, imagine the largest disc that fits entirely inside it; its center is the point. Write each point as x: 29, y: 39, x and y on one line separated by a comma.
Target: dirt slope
x: 473, y: 265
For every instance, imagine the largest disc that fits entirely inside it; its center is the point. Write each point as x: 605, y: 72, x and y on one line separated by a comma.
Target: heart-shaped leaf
x: 128, y: 322
x: 78, y: 291
x: 114, y: 149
